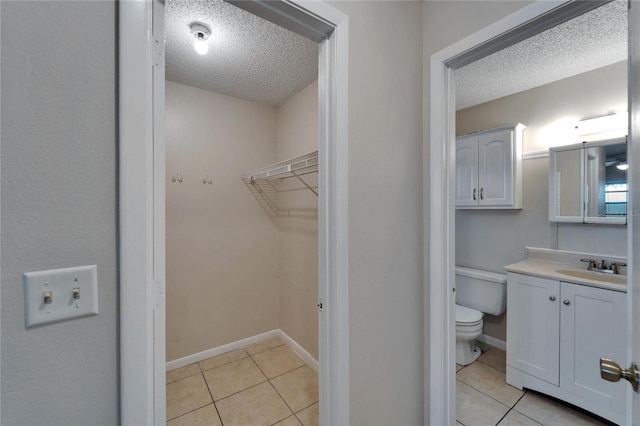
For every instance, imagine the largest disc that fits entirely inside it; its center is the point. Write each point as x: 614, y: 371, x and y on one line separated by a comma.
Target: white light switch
x: 60, y: 294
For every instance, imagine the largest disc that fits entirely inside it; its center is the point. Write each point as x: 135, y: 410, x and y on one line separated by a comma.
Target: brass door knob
x: 611, y: 371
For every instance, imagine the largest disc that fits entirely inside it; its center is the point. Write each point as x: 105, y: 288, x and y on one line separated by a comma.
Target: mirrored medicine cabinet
x: 588, y: 182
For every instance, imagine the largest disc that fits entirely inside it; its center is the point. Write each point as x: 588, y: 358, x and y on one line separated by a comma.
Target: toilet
x: 477, y: 293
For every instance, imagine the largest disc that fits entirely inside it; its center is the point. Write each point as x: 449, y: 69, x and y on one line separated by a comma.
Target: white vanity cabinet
x: 489, y: 169
x: 556, y: 333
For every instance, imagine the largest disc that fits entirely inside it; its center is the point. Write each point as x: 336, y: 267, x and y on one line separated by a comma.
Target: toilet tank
x: 481, y: 290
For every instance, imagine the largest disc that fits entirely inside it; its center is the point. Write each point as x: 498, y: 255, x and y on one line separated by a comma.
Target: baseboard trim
x: 500, y: 344
x: 201, y: 356
x: 306, y: 356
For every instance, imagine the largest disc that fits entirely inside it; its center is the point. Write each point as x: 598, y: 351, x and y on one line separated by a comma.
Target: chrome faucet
x: 592, y: 264
x: 615, y: 265
x: 612, y: 268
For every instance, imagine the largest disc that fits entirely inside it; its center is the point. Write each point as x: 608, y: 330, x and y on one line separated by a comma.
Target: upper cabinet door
x: 489, y: 169
x: 467, y: 171
x: 496, y: 168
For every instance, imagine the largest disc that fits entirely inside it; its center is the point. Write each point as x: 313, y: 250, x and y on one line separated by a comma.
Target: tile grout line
x: 488, y: 396
x: 511, y: 409
x: 223, y: 364
x: 195, y: 409
x: 285, y: 403
x: 213, y: 401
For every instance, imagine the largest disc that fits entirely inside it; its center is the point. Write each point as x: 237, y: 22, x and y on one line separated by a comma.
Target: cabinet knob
x: 566, y: 302
x: 552, y: 298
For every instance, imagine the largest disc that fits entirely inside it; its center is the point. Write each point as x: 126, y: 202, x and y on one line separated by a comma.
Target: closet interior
x: 241, y: 218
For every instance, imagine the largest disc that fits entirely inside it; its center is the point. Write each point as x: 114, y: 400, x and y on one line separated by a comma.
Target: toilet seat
x: 466, y: 317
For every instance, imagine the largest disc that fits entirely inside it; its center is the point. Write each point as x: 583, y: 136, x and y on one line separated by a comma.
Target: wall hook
x: 207, y: 180
x: 177, y: 177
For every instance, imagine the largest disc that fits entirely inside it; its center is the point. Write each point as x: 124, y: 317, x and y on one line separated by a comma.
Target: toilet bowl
x: 477, y: 293
x: 468, y: 327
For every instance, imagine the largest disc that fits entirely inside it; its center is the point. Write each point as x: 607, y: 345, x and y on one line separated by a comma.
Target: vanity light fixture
x: 201, y: 32
x: 606, y: 127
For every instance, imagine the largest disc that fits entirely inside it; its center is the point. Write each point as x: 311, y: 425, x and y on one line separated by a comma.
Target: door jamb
x: 137, y: 180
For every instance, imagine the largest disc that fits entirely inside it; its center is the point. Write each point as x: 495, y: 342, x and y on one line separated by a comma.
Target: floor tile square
x: 298, y: 388
x: 289, y: 421
x: 496, y: 358
x: 277, y: 361
x: 264, y: 345
x: 491, y: 382
x: 310, y: 415
x: 257, y: 406
x: 222, y: 359
x: 186, y: 395
x: 459, y: 367
x: 182, y: 372
x: 475, y: 408
x: 549, y: 412
x: 233, y: 377
x: 513, y: 418
x: 205, y: 416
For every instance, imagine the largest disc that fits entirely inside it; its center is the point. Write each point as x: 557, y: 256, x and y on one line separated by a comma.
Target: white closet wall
x: 222, y: 249
x: 297, y: 134
x: 233, y: 269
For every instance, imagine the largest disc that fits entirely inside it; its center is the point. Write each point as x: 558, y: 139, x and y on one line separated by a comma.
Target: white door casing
x: 141, y: 199
x: 633, y: 216
x: 440, y: 199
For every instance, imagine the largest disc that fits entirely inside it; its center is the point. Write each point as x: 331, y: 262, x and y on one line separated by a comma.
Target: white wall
x: 297, y: 134
x: 222, y: 268
x: 491, y: 239
x: 385, y: 212
x: 59, y: 206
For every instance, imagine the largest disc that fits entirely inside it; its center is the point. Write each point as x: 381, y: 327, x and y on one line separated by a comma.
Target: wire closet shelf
x: 274, y: 185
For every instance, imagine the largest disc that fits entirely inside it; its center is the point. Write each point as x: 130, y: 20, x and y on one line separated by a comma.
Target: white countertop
x: 549, y: 269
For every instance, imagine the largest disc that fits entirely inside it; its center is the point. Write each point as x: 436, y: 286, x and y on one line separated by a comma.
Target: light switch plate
x: 71, y: 293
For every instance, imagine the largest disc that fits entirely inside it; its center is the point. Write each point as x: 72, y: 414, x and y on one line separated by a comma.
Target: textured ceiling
x: 593, y: 40
x: 249, y: 58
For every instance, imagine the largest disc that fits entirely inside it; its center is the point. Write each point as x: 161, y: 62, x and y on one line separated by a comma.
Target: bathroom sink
x: 593, y: 275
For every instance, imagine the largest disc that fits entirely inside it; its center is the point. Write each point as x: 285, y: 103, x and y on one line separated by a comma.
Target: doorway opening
x: 519, y: 26
x: 142, y: 201
x: 241, y: 217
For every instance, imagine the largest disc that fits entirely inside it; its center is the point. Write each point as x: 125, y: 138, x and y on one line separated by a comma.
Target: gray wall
x: 59, y: 193
x: 385, y: 211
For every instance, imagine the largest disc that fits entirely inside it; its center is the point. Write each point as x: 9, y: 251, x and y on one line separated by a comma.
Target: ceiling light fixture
x: 201, y: 32
x: 622, y: 165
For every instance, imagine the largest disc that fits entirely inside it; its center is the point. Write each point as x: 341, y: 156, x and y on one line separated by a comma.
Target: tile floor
x: 483, y: 397
x: 262, y: 384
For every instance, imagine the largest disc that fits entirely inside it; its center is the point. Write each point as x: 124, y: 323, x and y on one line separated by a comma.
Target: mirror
x: 588, y: 182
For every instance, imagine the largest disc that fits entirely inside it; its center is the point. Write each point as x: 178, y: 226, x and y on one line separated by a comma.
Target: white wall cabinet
x: 489, y: 169
x: 556, y: 334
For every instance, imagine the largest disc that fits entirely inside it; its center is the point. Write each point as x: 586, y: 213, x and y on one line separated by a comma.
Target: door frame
x: 440, y: 143
x: 141, y: 218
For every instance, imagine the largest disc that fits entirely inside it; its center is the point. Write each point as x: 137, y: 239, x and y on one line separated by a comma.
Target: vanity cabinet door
x: 533, y: 334
x: 496, y: 168
x: 467, y: 171
x: 593, y: 325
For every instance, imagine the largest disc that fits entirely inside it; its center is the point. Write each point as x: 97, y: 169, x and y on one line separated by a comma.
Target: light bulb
x: 201, y: 46
x: 623, y: 165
